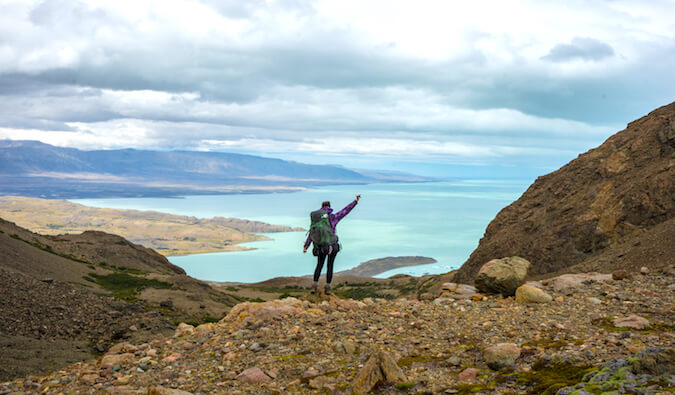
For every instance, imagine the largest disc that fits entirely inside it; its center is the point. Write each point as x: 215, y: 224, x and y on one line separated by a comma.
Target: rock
x: 116, y: 359
x: 309, y: 373
x: 379, y: 367
x: 159, y: 390
x: 529, y: 294
x: 246, y: 312
x: 574, y: 281
x: 644, y: 270
x: 453, y: 361
x: 253, y: 375
x: 593, y: 300
x: 468, y: 374
x: 502, y: 275
x: 205, y: 328
x: 171, y: 358
x: 655, y: 361
x: 620, y: 275
x: 501, y: 355
x: 632, y: 321
x: 457, y: 291
x: 323, y: 382
x: 184, y: 330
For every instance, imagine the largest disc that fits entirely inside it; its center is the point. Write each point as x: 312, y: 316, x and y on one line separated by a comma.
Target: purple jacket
x: 334, y: 218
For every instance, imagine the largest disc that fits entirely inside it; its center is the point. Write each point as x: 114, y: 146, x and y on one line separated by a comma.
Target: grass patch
x: 465, y: 389
x: 406, y: 362
x: 404, y: 386
x: 125, y: 286
x: 546, y: 343
x: 205, y: 320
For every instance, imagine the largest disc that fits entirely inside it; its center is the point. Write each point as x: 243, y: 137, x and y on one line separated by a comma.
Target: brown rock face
x: 611, y: 208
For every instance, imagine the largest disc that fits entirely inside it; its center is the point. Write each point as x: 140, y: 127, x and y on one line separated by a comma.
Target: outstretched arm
x: 340, y: 214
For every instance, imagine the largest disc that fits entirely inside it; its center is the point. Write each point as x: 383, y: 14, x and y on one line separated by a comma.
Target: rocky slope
x: 56, y: 298
x: 612, y: 207
x: 481, y: 344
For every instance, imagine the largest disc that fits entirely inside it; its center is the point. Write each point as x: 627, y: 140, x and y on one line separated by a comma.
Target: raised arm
x: 340, y: 214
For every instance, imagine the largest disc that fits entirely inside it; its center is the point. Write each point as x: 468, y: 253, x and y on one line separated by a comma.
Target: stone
x: 159, y: 390
x: 322, y: 382
x: 250, y: 312
x: 172, y: 358
x: 632, y: 321
x: 655, y: 361
x: 529, y: 294
x: 593, y: 300
x: 457, y: 291
x: 116, y: 359
x: 253, y: 375
x: 620, y: 275
x: 468, y: 374
x: 644, y: 270
x: 309, y: 373
x: 453, y: 361
x: 184, y: 329
x: 502, y: 276
x: 501, y: 355
x: 379, y: 367
x: 574, y: 281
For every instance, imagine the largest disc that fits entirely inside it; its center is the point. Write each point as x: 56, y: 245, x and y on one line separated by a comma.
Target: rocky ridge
x: 325, y: 344
x: 611, y: 208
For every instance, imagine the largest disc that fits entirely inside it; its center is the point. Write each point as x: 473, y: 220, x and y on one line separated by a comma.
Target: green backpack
x: 320, y: 231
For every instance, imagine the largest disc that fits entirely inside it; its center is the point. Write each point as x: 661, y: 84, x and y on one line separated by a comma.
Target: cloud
x: 581, y: 48
x: 289, y: 76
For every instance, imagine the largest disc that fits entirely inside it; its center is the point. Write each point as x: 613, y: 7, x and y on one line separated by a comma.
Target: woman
x: 328, y: 250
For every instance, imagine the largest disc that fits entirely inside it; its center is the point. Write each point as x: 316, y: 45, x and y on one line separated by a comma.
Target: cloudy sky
x: 413, y: 85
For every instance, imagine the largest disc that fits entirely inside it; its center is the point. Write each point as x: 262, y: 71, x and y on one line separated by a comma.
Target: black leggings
x: 329, y: 269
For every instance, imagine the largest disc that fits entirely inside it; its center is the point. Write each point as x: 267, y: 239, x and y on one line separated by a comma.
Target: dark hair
x: 325, y: 204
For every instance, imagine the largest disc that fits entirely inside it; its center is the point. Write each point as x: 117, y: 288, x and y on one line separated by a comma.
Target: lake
x: 442, y: 220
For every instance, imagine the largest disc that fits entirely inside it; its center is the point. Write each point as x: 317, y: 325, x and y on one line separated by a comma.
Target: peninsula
x: 168, y: 234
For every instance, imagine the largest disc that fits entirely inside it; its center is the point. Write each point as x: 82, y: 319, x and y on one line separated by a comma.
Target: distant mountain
x: 611, y: 208
x: 31, y: 168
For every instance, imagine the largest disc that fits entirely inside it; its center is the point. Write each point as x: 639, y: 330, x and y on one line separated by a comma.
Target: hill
x: 168, y: 234
x: 611, y: 208
x: 30, y: 168
x: 66, y: 297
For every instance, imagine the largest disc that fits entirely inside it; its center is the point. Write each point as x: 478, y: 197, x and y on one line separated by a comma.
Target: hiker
x: 322, y: 235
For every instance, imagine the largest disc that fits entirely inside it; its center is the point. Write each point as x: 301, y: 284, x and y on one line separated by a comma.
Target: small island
x: 168, y: 234
x: 376, y: 266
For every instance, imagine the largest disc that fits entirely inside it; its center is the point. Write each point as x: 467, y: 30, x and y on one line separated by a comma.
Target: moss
x: 404, y: 386
x: 405, y: 362
x: 125, y: 286
x: 464, y: 389
x: 203, y: 320
x: 547, y: 377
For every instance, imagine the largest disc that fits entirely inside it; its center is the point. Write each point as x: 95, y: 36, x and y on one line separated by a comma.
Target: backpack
x: 320, y: 231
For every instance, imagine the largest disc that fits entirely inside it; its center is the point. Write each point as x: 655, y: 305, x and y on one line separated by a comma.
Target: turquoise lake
x: 442, y: 220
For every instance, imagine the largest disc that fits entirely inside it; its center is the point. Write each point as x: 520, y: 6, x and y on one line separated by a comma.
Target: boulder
x: 529, y: 294
x: 620, y: 275
x: 253, y: 375
x: 501, y: 355
x: 574, y: 281
x: 457, y: 291
x: 632, y: 321
x: 502, y: 276
x: 468, y: 374
x: 380, y: 367
x: 252, y: 312
x: 116, y: 359
x: 184, y: 330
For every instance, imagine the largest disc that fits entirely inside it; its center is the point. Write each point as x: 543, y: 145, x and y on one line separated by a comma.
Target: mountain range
x: 31, y: 168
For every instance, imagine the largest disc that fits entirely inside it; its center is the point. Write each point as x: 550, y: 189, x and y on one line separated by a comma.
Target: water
x: 441, y: 220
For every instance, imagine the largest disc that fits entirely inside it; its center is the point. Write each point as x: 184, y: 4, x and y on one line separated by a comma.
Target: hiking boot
x: 327, y: 289
x: 313, y: 291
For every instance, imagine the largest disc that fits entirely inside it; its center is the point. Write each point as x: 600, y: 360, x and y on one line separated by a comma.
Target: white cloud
x: 427, y: 77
